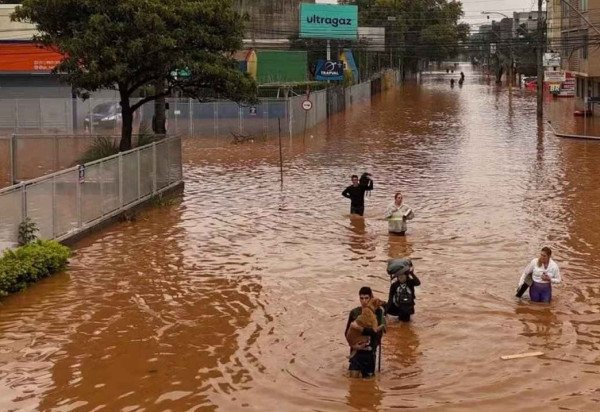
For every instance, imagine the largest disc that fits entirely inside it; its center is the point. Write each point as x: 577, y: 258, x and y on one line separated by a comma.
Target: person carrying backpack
x: 401, y: 300
x: 356, y: 193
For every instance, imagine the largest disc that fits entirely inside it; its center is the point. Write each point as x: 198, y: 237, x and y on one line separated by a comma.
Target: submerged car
x: 104, y: 116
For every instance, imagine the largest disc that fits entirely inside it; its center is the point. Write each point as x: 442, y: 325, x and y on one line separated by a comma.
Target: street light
x: 510, y: 50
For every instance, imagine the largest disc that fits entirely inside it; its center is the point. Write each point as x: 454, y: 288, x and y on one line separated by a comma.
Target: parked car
x: 104, y: 116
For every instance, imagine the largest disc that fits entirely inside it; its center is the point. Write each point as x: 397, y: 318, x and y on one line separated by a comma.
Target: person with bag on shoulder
x: 540, y: 274
x: 401, y: 299
x: 356, y: 193
x: 397, y: 214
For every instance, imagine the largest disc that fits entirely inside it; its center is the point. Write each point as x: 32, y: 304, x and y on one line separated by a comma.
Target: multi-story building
x: 526, y: 20
x: 570, y: 34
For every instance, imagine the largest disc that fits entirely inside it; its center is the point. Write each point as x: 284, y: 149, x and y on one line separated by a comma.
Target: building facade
x: 577, y: 41
x: 271, y: 23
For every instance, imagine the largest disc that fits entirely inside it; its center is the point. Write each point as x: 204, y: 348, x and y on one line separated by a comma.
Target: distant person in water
x: 451, y: 82
x: 540, y: 274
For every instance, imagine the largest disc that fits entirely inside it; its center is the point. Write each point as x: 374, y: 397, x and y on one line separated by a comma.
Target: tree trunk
x: 127, y: 124
x: 499, y: 73
x: 159, y: 118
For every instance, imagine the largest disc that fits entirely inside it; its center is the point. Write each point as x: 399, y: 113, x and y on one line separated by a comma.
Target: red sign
x: 27, y: 57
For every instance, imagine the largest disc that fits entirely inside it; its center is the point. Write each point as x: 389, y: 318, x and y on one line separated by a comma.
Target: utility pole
x: 540, y: 64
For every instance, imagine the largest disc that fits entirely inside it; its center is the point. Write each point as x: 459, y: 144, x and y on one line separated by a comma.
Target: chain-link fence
x: 213, y: 124
x: 65, y: 203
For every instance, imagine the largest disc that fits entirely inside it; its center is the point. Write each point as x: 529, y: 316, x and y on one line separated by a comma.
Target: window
x: 584, y: 47
x: 583, y: 5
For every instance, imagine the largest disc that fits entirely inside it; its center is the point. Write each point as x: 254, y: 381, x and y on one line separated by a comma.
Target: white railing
x: 68, y: 202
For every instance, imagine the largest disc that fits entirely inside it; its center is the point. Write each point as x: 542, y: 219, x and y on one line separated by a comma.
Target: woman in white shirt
x: 543, y: 272
x: 397, y: 214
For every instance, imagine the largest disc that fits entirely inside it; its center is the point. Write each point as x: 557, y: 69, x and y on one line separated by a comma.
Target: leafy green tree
x: 417, y: 30
x: 130, y: 45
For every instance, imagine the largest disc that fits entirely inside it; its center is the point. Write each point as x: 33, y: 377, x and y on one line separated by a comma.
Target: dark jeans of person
x: 357, y: 210
x: 540, y: 292
x: 402, y: 312
x: 364, y: 361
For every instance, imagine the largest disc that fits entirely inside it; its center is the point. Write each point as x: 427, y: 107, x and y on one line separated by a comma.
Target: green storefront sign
x: 328, y: 21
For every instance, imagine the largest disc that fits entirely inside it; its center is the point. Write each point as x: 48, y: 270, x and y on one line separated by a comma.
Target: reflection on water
x: 236, y: 297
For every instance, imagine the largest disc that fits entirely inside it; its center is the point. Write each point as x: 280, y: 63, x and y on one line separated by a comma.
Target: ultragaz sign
x: 328, y: 21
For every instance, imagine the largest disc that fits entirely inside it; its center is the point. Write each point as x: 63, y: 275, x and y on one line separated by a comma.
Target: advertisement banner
x: 328, y: 21
x: 329, y: 70
x: 27, y: 57
x: 554, y: 76
x: 551, y: 59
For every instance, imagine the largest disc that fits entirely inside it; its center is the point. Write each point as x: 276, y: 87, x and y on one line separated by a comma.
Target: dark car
x: 104, y: 116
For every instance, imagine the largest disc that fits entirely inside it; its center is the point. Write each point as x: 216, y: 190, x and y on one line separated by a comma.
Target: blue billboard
x: 328, y: 21
x: 329, y: 70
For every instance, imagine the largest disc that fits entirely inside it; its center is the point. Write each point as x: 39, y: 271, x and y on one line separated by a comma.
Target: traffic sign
x: 307, y: 105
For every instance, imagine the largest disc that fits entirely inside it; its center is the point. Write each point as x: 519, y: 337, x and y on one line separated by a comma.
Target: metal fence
x: 185, y: 116
x: 28, y: 156
x: 72, y: 200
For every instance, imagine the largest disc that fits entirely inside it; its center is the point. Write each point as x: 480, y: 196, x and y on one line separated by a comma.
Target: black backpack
x: 403, y: 295
x: 364, y: 180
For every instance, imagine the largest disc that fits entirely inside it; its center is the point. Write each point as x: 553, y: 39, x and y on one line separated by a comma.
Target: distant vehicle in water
x: 104, y: 116
x: 530, y: 83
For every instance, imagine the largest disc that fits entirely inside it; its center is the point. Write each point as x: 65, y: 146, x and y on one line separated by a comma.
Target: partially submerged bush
x: 30, y: 263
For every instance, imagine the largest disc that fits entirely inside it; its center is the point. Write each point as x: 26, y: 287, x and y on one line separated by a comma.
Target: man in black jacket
x: 356, y: 193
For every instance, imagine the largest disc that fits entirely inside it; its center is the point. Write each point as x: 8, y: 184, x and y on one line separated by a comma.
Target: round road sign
x: 307, y: 105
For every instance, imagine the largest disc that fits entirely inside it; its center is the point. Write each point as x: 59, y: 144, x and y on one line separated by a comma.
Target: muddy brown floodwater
x: 236, y: 296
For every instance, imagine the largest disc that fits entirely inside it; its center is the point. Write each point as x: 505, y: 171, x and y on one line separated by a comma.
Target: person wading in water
x: 356, y: 193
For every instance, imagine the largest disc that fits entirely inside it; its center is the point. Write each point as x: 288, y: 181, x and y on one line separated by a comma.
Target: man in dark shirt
x: 356, y: 194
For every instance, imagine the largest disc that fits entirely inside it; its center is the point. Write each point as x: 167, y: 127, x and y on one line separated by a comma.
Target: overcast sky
x: 473, y: 9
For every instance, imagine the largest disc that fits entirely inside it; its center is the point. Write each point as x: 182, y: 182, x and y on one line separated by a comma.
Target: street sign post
x: 307, y: 105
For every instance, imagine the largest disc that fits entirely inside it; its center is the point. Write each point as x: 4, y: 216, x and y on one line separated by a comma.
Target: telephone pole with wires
x: 540, y: 63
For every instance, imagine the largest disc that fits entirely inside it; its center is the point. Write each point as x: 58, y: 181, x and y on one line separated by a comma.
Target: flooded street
x: 236, y: 296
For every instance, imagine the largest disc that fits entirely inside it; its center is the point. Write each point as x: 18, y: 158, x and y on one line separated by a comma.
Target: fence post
x: 120, y: 180
x: 101, y: 178
x: 139, y: 175
x: 154, y: 168
x: 13, y: 159
x: 23, y: 201
x: 53, y: 207
x: 79, y: 202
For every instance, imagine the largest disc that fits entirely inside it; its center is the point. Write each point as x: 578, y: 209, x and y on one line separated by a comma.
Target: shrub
x: 101, y: 147
x: 27, y: 232
x: 30, y: 263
